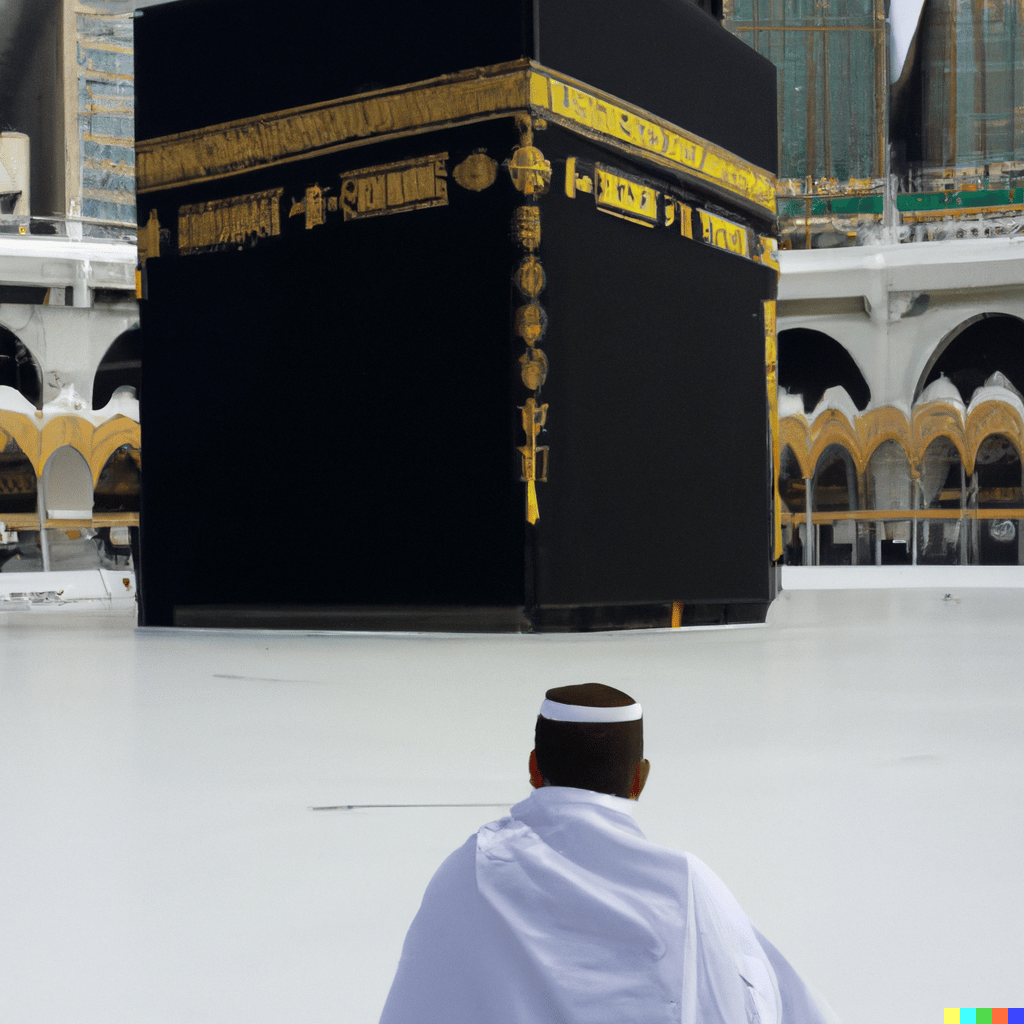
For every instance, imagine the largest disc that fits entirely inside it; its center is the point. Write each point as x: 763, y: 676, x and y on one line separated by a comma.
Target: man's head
x: 590, y: 736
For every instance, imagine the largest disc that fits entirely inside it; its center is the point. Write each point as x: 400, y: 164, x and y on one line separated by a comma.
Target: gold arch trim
x: 24, y: 432
x: 927, y: 423
x: 95, y: 444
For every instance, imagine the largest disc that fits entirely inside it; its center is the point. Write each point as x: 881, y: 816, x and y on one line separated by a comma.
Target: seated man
x: 563, y: 912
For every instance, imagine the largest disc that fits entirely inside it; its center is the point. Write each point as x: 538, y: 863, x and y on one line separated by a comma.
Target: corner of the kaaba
x: 463, y: 326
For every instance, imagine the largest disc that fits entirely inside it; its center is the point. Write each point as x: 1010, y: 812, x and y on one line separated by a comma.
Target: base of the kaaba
x: 468, y: 619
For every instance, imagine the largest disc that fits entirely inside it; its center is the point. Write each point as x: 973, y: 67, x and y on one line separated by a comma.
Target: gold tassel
x: 532, y: 513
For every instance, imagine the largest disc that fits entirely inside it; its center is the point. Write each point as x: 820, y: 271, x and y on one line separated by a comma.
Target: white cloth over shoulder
x: 563, y: 912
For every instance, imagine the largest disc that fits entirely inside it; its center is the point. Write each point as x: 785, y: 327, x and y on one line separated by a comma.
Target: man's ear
x: 643, y: 769
x: 536, y: 779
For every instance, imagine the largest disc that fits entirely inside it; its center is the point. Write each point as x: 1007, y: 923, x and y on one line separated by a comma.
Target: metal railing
x: 968, y: 548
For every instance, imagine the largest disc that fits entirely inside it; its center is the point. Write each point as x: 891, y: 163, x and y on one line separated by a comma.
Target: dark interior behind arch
x: 121, y: 366
x: 811, y: 362
x: 18, y: 368
x: 991, y: 342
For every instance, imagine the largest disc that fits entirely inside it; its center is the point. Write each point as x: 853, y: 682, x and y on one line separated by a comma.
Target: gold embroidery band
x: 375, y: 191
x: 576, y: 105
x: 479, y: 94
x: 767, y: 252
x: 637, y: 200
x: 625, y: 197
x: 234, y: 221
x: 237, y: 147
x: 394, y: 188
x: 724, y: 233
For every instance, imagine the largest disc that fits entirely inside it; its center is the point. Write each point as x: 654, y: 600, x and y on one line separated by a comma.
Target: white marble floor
x: 854, y: 770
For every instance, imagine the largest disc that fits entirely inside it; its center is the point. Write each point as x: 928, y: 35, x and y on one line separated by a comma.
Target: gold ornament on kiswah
x: 529, y: 277
x: 534, y: 457
x: 394, y: 188
x: 477, y: 172
x: 530, y: 323
x: 576, y: 182
x: 625, y: 196
x: 149, y: 238
x: 533, y: 368
x: 526, y: 227
x: 767, y: 252
x: 724, y: 234
x: 239, y: 220
x: 530, y: 172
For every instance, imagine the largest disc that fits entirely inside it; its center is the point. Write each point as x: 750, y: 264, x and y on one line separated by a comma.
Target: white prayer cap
x: 590, y: 702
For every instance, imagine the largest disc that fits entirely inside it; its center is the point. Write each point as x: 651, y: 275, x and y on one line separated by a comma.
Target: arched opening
x: 117, y: 490
x: 834, y: 489
x: 67, y: 485
x: 118, y: 487
x: 979, y: 347
x: 17, y: 482
x: 810, y: 362
x: 67, y: 495
x: 942, y: 486
x: 18, y: 369
x: 120, y: 367
x: 890, y: 487
x: 19, y: 548
x: 998, y: 486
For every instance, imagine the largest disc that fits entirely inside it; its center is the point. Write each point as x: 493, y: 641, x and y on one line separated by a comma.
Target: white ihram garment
x: 564, y: 913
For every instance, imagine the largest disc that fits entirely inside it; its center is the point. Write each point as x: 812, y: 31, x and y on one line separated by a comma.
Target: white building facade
x: 70, y: 355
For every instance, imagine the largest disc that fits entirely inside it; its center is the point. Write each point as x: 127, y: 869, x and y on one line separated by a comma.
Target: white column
x: 809, y: 553
x: 44, y: 544
x: 915, y: 490
x: 963, y: 515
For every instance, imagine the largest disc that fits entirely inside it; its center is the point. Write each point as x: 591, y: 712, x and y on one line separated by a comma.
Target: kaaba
x: 456, y: 316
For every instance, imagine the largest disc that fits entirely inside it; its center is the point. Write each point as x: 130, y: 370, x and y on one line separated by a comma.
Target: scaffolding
x: 831, y: 60
x: 958, y: 124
